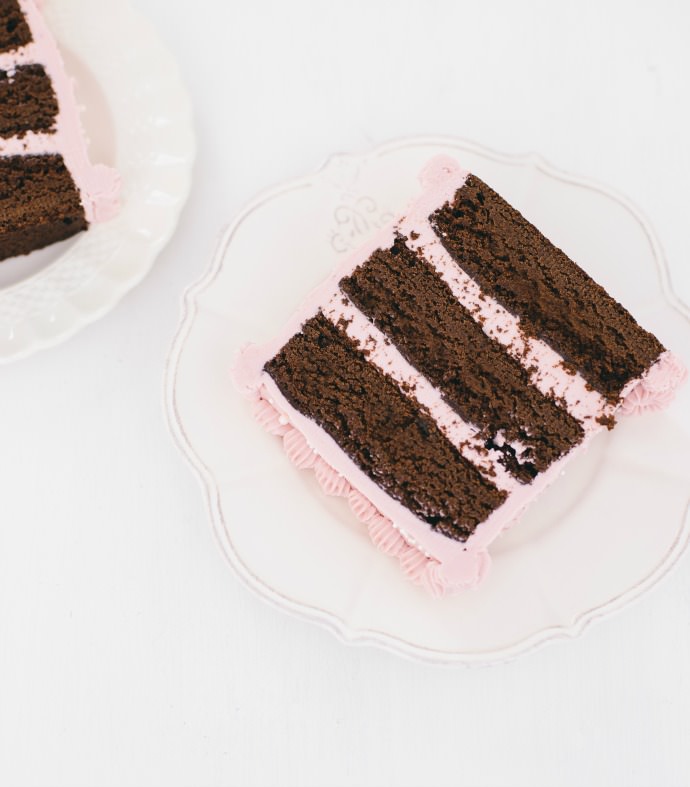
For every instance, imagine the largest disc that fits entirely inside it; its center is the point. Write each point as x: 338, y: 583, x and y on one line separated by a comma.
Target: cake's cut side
x: 27, y: 101
x: 326, y: 376
x: 414, y: 387
x: 57, y: 192
x: 39, y: 203
x: 406, y: 299
x: 554, y: 298
x: 14, y: 29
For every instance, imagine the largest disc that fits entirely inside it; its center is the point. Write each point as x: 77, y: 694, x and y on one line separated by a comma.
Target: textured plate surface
x: 607, y: 531
x: 138, y: 118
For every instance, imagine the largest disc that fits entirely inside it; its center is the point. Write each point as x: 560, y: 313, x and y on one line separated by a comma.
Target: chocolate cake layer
x: 323, y: 374
x: 39, y: 204
x: 413, y: 306
x: 27, y: 101
x: 554, y: 298
x: 14, y: 30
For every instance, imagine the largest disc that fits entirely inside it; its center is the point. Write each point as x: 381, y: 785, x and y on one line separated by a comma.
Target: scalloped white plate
x: 138, y: 117
x: 598, y: 538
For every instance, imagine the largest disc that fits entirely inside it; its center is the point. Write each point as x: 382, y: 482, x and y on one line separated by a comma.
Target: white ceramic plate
x: 602, y: 535
x: 138, y: 118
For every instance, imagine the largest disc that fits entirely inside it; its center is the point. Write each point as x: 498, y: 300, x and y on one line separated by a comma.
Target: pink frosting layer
x: 440, y: 564
x: 98, y: 185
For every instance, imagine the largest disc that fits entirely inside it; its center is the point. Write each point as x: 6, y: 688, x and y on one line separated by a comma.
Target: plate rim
x: 345, y: 632
x: 117, y: 289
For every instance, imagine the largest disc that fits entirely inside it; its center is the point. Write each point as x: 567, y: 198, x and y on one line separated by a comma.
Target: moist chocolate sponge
x: 27, y: 101
x: 408, y: 300
x: 323, y: 373
x: 554, y: 298
x: 39, y: 204
x: 14, y: 30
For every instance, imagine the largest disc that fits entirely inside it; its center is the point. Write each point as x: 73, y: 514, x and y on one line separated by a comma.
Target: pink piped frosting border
x: 656, y: 388
x: 98, y: 185
x: 439, y: 564
x: 420, y: 568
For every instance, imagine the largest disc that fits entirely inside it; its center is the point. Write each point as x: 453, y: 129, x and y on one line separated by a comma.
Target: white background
x: 129, y: 653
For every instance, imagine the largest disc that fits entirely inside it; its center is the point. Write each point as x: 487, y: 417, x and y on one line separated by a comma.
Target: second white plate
x: 138, y: 117
x: 603, y: 534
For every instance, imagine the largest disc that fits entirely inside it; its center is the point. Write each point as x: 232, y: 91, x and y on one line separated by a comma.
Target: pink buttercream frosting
x: 98, y: 185
x: 298, y: 450
x: 422, y: 569
x: 439, y: 564
x: 656, y: 388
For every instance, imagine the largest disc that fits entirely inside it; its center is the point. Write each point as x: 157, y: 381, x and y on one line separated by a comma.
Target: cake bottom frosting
x: 651, y: 392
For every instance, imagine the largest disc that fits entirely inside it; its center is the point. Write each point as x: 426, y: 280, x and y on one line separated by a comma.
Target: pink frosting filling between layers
x: 440, y: 564
x: 384, y: 355
x: 98, y: 185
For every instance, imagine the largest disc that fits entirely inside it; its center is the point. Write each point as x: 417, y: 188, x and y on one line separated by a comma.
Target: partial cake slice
x: 444, y: 374
x: 49, y: 190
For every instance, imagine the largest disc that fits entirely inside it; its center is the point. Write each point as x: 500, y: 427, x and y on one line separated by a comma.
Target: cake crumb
x: 607, y: 420
x: 567, y: 368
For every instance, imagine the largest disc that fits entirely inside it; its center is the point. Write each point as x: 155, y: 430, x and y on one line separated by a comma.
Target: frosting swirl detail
x: 331, y: 481
x: 361, y: 507
x: 657, y: 387
x: 298, y: 449
x: 420, y: 569
x: 385, y: 536
x: 269, y: 418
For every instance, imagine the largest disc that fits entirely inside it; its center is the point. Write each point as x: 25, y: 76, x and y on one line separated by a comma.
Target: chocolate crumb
x: 607, y: 420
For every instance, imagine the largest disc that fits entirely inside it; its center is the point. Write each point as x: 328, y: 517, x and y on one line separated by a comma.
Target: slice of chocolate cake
x: 49, y: 190
x: 443, y: 376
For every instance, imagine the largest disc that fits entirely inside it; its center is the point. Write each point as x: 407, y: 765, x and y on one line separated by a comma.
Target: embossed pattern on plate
x: 138, y: 117
x: 602, y: 535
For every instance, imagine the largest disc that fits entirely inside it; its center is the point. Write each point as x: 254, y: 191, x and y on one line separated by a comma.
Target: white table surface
x: 129, y: 653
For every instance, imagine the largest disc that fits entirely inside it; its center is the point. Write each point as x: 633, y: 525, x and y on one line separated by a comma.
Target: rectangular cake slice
x: 443, y: 375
